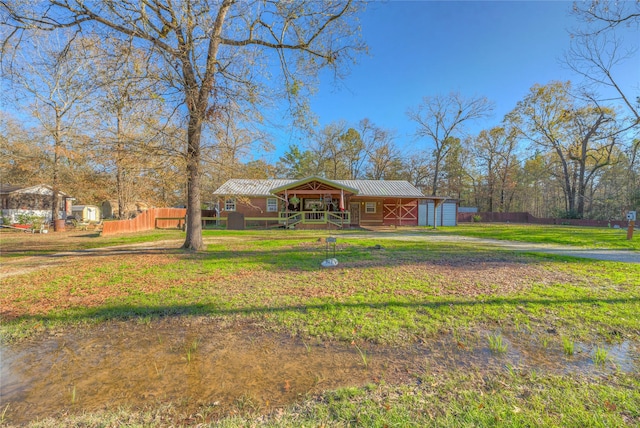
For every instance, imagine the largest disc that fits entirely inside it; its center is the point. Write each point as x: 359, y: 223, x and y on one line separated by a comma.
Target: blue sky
x: 496, y: 49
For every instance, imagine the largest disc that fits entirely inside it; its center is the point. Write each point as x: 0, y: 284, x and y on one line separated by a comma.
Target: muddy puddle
x: 203, y: 363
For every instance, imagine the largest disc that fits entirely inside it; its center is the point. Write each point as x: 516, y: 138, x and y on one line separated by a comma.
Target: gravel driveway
x: 625, y: 256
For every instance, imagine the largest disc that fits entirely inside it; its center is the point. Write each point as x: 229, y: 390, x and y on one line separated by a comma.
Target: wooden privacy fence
x: 163, y: 218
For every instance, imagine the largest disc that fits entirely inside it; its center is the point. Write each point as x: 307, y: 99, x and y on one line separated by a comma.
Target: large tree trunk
x: 490, y: 185
x: 57, y: 147
x: 582, y: 185
x: 436, y: 173
x: 582, y: 189
x: 567, y: 188
x: 120, y: 167
x: 193, y: 240
x: 197, y: 101
x: 584, y: 149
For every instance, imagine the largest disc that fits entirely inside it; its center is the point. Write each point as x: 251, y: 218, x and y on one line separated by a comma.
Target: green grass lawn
x: 406, y: 289
x: 591, y: 237
x: 390, y: 291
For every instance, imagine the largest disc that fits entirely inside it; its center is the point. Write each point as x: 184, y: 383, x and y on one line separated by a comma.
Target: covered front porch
x: 315, y: 202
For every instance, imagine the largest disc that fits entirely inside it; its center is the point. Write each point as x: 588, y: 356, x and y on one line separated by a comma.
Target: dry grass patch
x: 80, y: 282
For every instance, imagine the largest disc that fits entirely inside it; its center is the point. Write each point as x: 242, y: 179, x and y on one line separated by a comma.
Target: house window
x: 272, y: 205
x: 230, y: 204
x: 370, y: 207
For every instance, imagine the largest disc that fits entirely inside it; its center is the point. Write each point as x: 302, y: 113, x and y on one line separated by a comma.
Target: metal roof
x: 371, y: 188
x: 82, y: 207
x: 386, y: 188
x: 39, y: 189
x: 248, y: 187
x: 8, y: 188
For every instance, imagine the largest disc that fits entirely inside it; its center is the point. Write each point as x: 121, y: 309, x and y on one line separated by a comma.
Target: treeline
x: 559, y: 153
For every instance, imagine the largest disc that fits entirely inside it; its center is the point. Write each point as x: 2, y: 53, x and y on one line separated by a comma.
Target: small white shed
x: 85, y: 212
x: 446, y: 213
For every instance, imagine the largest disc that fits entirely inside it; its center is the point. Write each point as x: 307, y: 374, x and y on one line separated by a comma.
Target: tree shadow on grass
x: 124, y: 312
x: 309, y: 255
x: 356, y: 256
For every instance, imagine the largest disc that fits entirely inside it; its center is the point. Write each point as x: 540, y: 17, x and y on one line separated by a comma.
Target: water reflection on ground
x: 201, y: 362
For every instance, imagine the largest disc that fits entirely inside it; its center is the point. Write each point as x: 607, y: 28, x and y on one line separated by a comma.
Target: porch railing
x: 339, y: 218
x: 290, y: 218
x: 315, y: 217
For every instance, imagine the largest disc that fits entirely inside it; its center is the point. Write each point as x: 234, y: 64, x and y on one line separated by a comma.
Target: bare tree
x: 125, y: 111
x: 208, y: 48
x: 51, y: 78
x: 344, y: 152
x: 604, y: 15
x: 595, y: 57
x: 597, y: 46
x: 232, y: 146
x: 606, y: 38
x: 418, y: 170
x: 328, y: 150
x: 385, y: 160
x: 440, y: 119
x: 380, y: 158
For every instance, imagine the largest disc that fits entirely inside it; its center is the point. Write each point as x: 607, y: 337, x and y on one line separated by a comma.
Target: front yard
x: 385, y: 293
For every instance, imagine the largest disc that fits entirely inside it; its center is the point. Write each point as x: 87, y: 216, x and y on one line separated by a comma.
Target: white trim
x: 368, y: 205
x: 230, y: 204
x: 274, y: 205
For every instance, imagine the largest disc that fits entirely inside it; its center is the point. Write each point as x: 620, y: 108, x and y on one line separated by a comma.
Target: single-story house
x: 85, y: 213
x: 32, y: 201
x: 316, y: 202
